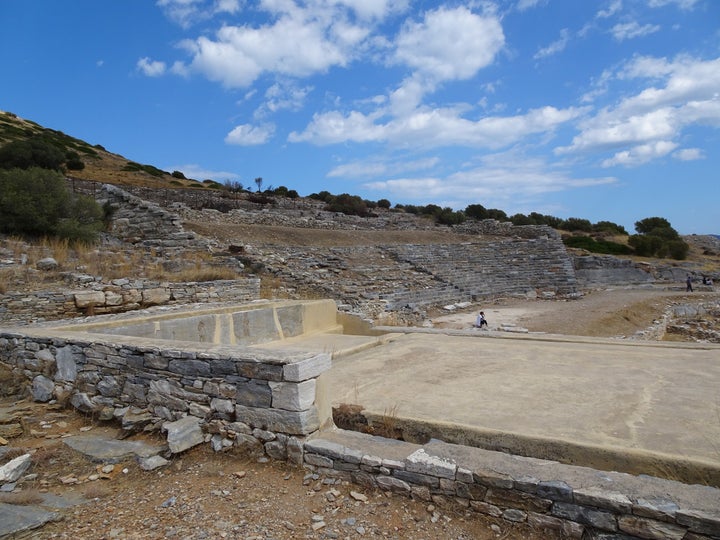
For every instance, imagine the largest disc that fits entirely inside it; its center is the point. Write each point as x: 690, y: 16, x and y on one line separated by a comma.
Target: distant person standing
x: 688, y: 284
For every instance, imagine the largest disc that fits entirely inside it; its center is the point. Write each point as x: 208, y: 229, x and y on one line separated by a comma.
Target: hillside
x: 101, y: 165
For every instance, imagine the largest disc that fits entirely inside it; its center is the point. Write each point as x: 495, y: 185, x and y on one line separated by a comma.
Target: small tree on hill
x: 657, y: 238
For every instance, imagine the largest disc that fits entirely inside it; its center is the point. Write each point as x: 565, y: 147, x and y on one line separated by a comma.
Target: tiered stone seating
x: 478, y: 270
x: 433, y: 274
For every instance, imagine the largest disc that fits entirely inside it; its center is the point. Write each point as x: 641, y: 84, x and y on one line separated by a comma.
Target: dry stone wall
x: 118, y: 296
x: 573, y: 502
x: 227, y: 395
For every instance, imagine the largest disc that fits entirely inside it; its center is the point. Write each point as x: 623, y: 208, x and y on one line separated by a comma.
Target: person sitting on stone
x: 481, y: 321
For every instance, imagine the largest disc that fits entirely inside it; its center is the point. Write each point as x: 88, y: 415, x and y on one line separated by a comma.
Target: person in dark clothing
x: 688, y: 284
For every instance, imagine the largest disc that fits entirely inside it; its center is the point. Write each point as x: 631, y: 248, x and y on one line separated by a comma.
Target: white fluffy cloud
x: 187, y: 12
x: 555, y: 47
x: 450, y: 44
x: 431, y: 128
x: 249, y: 135
x: 648, y: 124
x: 505, y: 181
x: 300, y: 39
x: 682, y: 4
x: 151, y: 68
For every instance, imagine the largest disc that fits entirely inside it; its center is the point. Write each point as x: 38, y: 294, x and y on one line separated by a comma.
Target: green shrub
x: 576, y: 224
x: 351, y: 205
x: 609, y: 227
x: 178, y: 174
x: 383, y: 203
x: 131, y: 166
x: 36, y: 202
x: 74, y: 165
x: 597, y: 246
x: 448, y: 216
x: 35, y: 152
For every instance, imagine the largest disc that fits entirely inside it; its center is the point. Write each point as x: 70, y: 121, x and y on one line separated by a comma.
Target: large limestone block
x: 65, y: 363
x: 308, y: 368
x: 183, y: 434
x: 154, y: 297
x: 279, y: 421
x: 42, y: 389
x: 293, y: 396
x: 86, y: 299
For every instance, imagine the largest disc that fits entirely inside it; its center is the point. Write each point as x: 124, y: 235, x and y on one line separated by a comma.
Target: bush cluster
x: 35, y: 202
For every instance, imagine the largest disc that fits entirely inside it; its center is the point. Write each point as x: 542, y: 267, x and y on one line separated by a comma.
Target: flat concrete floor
x: 607, y: 404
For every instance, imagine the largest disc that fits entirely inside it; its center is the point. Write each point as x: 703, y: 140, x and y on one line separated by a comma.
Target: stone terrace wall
x: 118, y: 296
x: 604, y: 270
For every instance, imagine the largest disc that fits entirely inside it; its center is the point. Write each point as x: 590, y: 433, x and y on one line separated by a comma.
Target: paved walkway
x: 636, y: 407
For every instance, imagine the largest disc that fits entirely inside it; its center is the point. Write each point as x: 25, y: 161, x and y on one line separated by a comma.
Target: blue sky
x: 604, y: 110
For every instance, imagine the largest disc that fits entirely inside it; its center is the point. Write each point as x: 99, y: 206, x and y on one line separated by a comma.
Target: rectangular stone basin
x: 243, y: 325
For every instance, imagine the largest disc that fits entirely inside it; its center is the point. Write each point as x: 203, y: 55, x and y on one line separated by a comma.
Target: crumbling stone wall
x: 140, y: 222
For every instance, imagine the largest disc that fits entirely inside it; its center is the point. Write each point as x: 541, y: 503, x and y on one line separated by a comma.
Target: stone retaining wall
x: 570, y: 501
x: 118, y: 296
x: 225, y: 394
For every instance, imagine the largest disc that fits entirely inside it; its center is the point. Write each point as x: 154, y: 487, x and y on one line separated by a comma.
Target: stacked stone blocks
x: 594, y: 506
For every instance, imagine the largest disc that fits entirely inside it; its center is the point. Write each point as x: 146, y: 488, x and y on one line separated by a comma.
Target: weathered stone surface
x: 222, y: 405
x: 183, y: 434
x: 104, y: 450
x: 47, y: 264
x: 154, y: 297
x: 617, y: 502
x: 66, y: 367
x: 83, y: 403
x: 86, y: 299
x: 555, y: 490
x: 421, y: 462
x: 254, y: 394
x: 290, y: 422
x: 15, y: 468
x: 517, y: 499
x: 650, y: 529
x: 586, y: 516
x: 42, y: 389
x: 307, y: 369
x: 700, y: 522
x: 392, y: 484
x: 293, y: 396
x: 153, y: 462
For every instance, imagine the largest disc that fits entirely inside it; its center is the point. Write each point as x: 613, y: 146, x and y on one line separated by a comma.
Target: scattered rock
x: 14, y: 468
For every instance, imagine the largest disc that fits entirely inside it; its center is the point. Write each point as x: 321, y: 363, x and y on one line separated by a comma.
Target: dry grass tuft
x: 24, y: 497
x: 96, y: 490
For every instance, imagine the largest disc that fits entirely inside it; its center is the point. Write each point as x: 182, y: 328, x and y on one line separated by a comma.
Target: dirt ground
x: 203, y: 494
x: 608, y: 313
